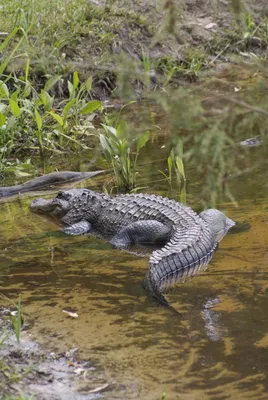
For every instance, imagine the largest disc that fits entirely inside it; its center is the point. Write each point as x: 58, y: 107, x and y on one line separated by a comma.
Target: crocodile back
x: 125, y: 209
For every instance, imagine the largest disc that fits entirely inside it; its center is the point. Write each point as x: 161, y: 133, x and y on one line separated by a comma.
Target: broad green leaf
x: 128, y: 164
x: 14, y: 96
x: 75, y: 79
x: 180, y: 166
x: 21, y: 173
x: 183, y: 194
x: 143, y: 139
x: 179, y: 148
x: 2, y: 119
x: 68, y: 107
x: 122, y: 129
x: 71, y: 89
x: 27, y: 68
x: 51, y: 82
x: 38, y: 119
x: 57, y: 117
x: 122, y: 147
x: 169, y: 165
x: 27, y: 89
x: 89, y: 84
x: 104, y: 143
x: 91, y: 106
x: 14, y: 108
x: 4, y: 92
x: 110, y: 129
x: 46, y: 100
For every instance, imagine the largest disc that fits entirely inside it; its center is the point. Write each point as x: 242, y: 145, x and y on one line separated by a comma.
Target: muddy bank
x: 27, y: 369
x: 187, y: 37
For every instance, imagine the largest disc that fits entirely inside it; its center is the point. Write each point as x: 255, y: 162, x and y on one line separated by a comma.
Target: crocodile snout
x: 54, y: 207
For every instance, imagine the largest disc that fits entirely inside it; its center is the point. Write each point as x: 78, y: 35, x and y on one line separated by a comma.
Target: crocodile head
x: 218, y: 223
x: 71, y: 206
x: 57, y: 207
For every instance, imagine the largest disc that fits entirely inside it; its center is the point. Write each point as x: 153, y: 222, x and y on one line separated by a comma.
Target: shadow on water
x: 217, y: 350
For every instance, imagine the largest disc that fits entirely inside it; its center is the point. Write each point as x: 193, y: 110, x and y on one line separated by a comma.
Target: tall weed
x: 121, y: 151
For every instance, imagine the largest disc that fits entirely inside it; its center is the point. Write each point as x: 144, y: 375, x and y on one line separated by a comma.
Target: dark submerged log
x: 46, y: 181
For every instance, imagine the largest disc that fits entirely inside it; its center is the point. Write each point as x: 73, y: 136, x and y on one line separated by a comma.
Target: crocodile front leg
x: 142, y: 232
x: 80, y: 228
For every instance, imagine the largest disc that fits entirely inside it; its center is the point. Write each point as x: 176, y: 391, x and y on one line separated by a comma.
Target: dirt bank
x: 27, y: 369
x: 117, y: 42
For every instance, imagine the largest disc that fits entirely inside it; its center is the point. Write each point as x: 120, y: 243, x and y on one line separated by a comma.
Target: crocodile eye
x: 61, y: 195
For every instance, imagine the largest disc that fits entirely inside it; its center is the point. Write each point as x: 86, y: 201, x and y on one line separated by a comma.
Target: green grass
x: 9, y: 372
x: 20, y: 397
x: 34, y: 120
x: 61, y: 33
x: 246, y: 35
x: 67, y: 35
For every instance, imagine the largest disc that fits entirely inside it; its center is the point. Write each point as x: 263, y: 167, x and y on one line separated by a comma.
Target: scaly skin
x: 189, y: 240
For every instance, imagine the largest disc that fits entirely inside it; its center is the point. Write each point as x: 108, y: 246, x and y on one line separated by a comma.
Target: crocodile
x: 45, y: 181
x: 186, y: 241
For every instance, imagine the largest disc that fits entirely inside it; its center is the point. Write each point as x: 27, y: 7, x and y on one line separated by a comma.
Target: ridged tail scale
x: 187, y: 253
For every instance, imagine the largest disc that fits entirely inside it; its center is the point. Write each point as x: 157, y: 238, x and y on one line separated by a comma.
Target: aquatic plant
x: 175, y: 164
x: 121, y: 150
x: 16, y: 319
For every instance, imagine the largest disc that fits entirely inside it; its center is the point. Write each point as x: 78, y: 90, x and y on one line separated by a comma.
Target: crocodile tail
x: 151, y: 286
x: 172, y: 265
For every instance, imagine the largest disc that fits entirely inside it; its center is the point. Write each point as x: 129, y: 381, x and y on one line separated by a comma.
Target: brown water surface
x: 217, y: 350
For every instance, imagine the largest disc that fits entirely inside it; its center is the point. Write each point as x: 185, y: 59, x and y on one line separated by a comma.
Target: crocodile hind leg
x: 142, y: 232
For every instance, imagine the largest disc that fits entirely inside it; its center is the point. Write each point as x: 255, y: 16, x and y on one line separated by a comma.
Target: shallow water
x: 217, y: 349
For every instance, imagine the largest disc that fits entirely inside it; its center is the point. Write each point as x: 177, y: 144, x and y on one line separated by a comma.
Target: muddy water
x: 218, y: 349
